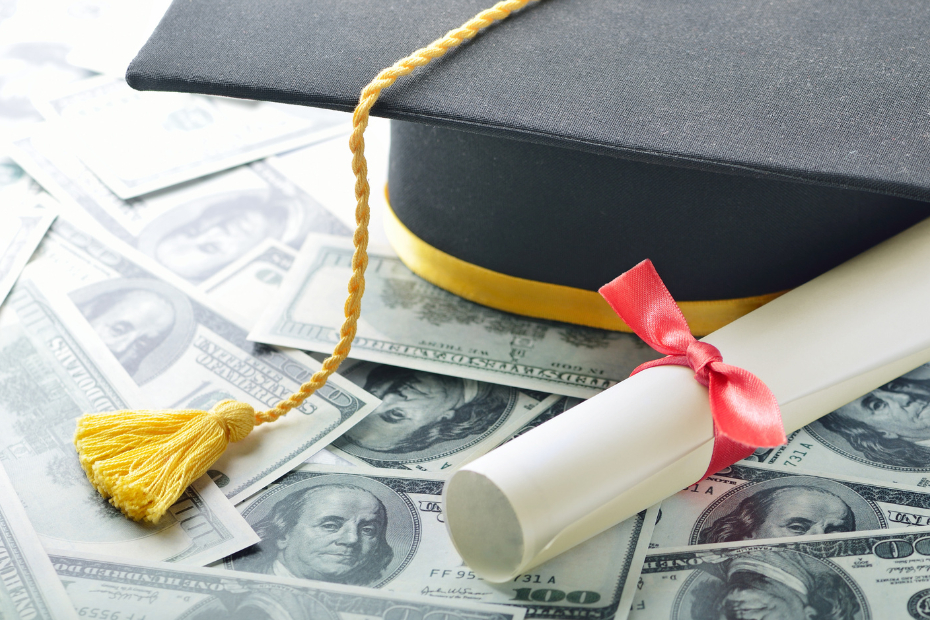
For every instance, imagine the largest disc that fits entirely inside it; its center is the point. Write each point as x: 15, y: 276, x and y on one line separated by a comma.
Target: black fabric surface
x: 566, y: 217
x: 825, y: 91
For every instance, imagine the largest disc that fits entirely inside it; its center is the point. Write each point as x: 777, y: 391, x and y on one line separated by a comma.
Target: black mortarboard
x: 744, y: 147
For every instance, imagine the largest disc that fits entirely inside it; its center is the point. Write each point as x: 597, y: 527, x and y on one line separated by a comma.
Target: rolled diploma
x: 817, y: 347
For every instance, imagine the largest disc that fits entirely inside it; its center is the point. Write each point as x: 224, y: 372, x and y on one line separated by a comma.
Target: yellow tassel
x: 143, y: 460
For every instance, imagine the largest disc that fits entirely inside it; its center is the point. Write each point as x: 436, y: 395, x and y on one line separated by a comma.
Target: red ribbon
x: 745, y: 411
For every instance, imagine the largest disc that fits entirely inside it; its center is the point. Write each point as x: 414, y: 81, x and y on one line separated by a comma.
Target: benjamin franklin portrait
x: 784, y: 507
x: 422, y: 413
x: 337, y: 528
x: 199, y: 238
x: 145, y: 323
x: 767, y: 584
x: 887, y: 427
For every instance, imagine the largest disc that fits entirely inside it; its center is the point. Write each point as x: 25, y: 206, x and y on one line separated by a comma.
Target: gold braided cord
x: 367, y: 100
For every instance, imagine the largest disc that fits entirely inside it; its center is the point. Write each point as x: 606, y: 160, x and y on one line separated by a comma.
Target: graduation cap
x: 744, y: 148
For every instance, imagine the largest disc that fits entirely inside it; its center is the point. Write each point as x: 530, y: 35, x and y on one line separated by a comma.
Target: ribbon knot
x: 744, y: 410
x: 237, y: 419
x: 699, y: 356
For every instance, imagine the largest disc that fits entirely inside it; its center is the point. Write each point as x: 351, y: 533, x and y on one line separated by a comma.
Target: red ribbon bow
x: 745, y: 411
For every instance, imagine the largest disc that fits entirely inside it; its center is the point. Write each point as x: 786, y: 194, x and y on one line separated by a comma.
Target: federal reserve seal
x: 919, y: 605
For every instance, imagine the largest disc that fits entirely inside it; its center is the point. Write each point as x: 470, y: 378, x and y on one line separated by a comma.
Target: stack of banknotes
x: 164, y: 250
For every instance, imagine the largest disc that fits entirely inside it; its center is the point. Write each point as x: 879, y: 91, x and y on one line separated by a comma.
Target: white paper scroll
x: 818, y: 347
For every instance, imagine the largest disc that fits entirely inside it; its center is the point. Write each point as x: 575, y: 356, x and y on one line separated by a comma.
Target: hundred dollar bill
x: 108, y: 589
x: 882, y: 576
x: 367, y: 527
x: 540, y: 414
x: 195, y: 230
x: 21, y: 230
x: 139, y: 142
x: 408, y: 322
x: 883, y: 436
x: 182, y: 352
x: 745, y: 502
x: 431, y: 422
x: 51, y: 373
x: 29, y: 587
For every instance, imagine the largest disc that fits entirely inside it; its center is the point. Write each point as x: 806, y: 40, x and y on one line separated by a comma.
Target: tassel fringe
x: 143, y: 460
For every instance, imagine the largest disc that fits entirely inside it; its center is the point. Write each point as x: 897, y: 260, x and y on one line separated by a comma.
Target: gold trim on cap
x: 541, y: 299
